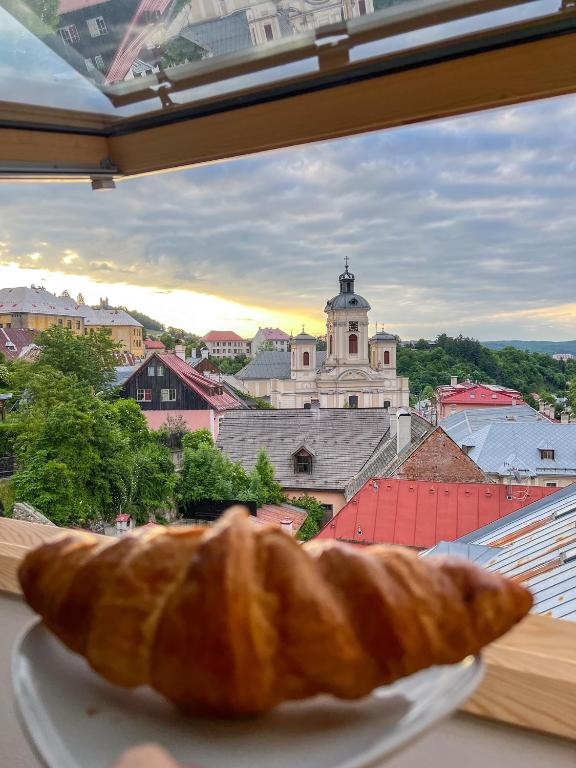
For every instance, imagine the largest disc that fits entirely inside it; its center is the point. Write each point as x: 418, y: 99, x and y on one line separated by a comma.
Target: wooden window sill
x: 531, y: 672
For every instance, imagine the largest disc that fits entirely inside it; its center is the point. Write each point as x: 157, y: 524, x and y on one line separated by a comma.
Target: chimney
x: 286, y: 526
x: 541, y: 406
x: 180, y: 351
x: 393, y: 424
x: 565, y: 417
x: 403, y: 429
x: 453, y: 381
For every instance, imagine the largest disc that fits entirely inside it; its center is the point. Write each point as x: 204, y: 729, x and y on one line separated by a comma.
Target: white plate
x: 74, y: 719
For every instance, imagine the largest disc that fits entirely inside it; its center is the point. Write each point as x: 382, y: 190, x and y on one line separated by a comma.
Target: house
x: 153, y: 345
x: 36, y: 309
x: 536, y: 546
x: 529, y: 452
x: 273, y: 339
x: 318, y: 451
x: 284, y: 516
x: 463, y: 423
x: 202, y: 362
x: 225, y: 344
x: 165, y: 385
x: 355, y: 371
x: 455, y: 396
x: 123, y: 328
x: 419, y: 513
x: 17, y: 343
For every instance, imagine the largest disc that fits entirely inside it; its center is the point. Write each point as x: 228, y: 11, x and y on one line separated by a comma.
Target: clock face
x: 353, y: 325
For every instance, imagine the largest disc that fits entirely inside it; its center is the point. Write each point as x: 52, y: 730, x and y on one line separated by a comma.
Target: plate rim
x: 38, y: 730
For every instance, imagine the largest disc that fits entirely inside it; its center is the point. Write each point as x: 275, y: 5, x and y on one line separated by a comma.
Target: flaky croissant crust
x: 236, y: 618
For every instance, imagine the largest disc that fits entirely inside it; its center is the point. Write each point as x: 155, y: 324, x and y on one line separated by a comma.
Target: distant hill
x: 545, y: 347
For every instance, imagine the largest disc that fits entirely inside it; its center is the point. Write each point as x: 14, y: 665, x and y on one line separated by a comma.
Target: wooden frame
x: 531, y: 671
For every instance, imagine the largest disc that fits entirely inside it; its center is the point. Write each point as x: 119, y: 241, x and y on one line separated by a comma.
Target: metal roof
x: 272, y: 365
x: 460, y: 425
x: 506, y: 447
x: 37, y: 301
x: 342, y: 440
x: 347, y: 301
x: 537, y: 546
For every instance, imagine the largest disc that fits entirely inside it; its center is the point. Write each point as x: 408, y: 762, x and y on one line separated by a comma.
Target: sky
x: 466, y: 225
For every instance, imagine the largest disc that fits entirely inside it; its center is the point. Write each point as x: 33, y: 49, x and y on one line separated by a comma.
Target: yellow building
x: 37, y: 309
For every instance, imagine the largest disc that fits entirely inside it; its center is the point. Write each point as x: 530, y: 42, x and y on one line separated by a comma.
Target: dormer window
x: 302, y: 462
x: 547, y: 453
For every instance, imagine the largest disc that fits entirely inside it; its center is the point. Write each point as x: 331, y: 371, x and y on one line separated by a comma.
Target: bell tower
x: 347, y: 325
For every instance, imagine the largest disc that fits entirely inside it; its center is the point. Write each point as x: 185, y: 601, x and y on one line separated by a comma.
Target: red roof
x: 122, y: 518
x: 417, y: 513
x: 14, y: 340
x: 214, y: 394
x: 470, y: 393
x: 222, y: 336
x: 153, y: 344
x: 275, y: 513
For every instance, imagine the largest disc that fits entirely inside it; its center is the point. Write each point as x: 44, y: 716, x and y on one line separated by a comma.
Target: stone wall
x: 439, y: 459
x: 29, y: 514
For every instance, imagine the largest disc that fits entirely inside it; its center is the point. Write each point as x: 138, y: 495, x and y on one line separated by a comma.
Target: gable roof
x: 459, y: 425
x: 14, y: 342
x: 100, y: 315
x: 273, y: 514
x: 503, y: 447
x: 537, y: 546
x: 227, y: 34
x: 469, y: 392
x: 342, y: 439
x: 153, y: 344
x: 214, y: 394
x: 272, y: 365
x: 418, y: 513
x: 222, y: 336
x: 273, y: 334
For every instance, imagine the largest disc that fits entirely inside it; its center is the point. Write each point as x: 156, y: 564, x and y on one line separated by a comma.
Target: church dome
x: 347, y: 299
x: 303, y: 338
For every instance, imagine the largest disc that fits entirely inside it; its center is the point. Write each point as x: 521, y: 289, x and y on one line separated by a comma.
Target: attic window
x: 547, y: 453
x: 353, y: 302
x: 302, y: 463
x: 467, y: 449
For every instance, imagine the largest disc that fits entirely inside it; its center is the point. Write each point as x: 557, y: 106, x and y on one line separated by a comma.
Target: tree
x: 231, y: 365
x: 272, y: 491
x: 193, y: 440
x: 206, y: 474
x: 181, y: 51
x: 315, y: 519
x: 90, y: 357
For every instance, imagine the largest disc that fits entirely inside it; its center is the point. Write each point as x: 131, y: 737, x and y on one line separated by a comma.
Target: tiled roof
x: 14, y: 341
x: 275, y: 513
x: 36, y: 301
x: 342, y: 440
x: 122, y: 374
x: 460, y: 425
x: 153, y: 344
x: 99, y: 316
x: 385, y: 461
x: 221, y: 36
x: 470, y: 392
x: 272, y: 365
x: 417, y: 513
x: 537, y: 546
x: 506, y: 446
x: 274, y: 334
x: 222, y: 336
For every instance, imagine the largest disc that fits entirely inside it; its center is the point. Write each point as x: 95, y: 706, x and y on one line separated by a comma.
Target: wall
x: 34, y: 322
x: 439, y: 459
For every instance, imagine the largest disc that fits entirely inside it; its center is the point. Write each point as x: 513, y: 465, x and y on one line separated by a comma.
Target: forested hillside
x: 547, y: 347
x: 429, y: 365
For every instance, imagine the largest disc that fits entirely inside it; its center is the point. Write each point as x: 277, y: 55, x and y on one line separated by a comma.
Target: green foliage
x: 231, y: 365
x: 272, y: 490
x: 181, y: 51
x: 90, y: 357
x: 153, y: 480
x: 148, y: 322
x: 172, y: 432
x: 193, y: 440
x: 428, y: 366
x: 313, y: 523
x: 6, y: 497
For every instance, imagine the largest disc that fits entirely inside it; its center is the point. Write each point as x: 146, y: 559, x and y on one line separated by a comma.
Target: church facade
x: 356, y: 371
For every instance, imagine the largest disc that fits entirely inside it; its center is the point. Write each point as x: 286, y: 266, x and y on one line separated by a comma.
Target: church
x: 355, y: 371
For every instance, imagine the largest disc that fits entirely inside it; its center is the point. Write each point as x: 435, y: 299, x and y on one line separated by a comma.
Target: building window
x: 167, y: 395
x: 386, y: 358
x: 330, y: 345
x: 386, y: 404
x: 69, y: 324
x: 99, y: 61
x: 97, y: 26
x: 362, y: 7
x: 69, y: 34
x: 151, y: 370
x: 77, y: 325
x: 353, y: 344
x: 60, y: 321
x: 547, y: 453
x: 306, y: 359
x: 269, y: 32
x: 353, y: 401
x: 302, y: 463
x: 160, y: 370
x: 144, y: 395
x: 551, y: 485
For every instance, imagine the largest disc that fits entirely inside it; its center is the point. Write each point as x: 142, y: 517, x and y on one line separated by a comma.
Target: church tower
x: 303, y: 356
x: 347, y: 326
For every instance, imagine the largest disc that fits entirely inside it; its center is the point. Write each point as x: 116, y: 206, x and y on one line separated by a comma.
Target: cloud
x: 459, y: 225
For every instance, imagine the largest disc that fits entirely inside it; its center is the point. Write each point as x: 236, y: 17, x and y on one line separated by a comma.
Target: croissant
x: 235, y: 618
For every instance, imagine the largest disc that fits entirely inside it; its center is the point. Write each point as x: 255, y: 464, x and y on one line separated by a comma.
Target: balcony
x: 524, y: 713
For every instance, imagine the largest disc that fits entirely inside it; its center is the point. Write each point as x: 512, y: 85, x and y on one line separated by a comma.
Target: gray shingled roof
x: 342, y: 441
x: 37, y: 301
x: 504, y: 446
x: 385, y: 461
x: 228, y: 34
x: 272, y: 365
x: 460, y: 425
x: 541, y: 550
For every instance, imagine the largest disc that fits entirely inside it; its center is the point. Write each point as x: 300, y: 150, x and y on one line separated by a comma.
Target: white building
x: 355, y: 371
